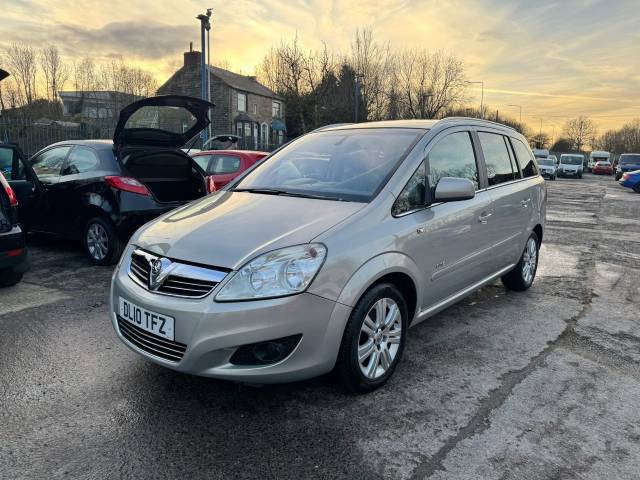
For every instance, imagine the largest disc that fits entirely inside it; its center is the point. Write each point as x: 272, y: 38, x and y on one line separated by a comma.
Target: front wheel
x: 523, y: 274
x: 636, y: 187
x: 373, y: 340
x: 101, y: 241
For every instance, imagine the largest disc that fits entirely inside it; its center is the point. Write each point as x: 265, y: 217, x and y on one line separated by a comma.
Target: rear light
x: 15, y: 253
x: 625, y: 176
x: 13, y: 200
x: 127, y: 184
x: 211, y: 185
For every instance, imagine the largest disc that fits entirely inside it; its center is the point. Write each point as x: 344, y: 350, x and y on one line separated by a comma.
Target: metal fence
x: 33, y: 135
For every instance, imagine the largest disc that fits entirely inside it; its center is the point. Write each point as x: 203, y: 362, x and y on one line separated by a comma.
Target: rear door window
x: 525, y: 158
x: 497, y: 158
x: 453, y: 156
x: 81, y: 160
x: 49, y: 164
x: 6, y: 162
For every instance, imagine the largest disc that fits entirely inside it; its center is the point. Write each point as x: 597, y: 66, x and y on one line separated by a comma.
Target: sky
x: 556, y: 59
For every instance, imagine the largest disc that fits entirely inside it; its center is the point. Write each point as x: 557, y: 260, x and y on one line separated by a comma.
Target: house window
x: 255, y: 108
x: 276, y: 109
x: 242, y: 102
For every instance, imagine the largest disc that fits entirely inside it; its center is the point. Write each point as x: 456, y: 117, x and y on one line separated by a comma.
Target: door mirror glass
x: 451, y: 189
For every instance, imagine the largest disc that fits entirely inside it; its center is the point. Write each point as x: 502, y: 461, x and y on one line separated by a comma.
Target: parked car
x: 631, y: 180
x: 554, y: 159
x: 595, y: 157
x: 321, y: 256
x: 547, y: 168
x: 602, y: 167
x: 101, y: 191
x: 628, y: 162
x: 222, y: 166
x: 13, y: 252
x: 571, y: 165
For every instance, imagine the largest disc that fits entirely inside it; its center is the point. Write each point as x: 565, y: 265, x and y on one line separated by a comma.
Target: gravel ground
x: 536, y: 385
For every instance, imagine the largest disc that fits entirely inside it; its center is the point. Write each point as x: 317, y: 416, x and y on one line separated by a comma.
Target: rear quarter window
x: 525, y: 158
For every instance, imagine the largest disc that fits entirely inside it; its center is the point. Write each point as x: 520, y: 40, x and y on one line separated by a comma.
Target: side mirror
x: 450, y: 189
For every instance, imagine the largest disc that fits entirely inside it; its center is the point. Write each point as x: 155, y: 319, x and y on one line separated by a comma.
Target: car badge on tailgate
x: 160, y: 269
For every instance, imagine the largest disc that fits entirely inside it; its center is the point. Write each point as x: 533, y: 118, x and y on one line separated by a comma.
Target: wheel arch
x: 391, y: 267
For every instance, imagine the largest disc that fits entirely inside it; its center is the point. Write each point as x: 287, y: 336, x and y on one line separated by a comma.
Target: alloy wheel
x: 97, y: 241
x: 380, y: 337
x: 529, y: 260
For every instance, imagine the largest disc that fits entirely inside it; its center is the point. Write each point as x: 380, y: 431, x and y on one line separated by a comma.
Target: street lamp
x: 205, y: 25
x: 481, y: 82
x: 520, y: 107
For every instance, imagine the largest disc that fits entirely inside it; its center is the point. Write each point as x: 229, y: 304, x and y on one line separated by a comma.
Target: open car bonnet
x: 164, y: 121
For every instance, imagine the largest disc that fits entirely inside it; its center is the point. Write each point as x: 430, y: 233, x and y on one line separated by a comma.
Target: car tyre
x: 636, y: 187
x: 371, y: 347
x: 101, y: 242
x: 9, y: 277
x: 521, y: 277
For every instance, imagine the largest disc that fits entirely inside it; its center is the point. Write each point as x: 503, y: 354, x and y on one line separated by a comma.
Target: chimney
x: 191, y: 58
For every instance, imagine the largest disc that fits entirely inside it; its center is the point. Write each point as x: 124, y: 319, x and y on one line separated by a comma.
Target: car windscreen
x: 629, y: 159
x: 571, y: 160
x: 545, y: 161
x: 349, y: 164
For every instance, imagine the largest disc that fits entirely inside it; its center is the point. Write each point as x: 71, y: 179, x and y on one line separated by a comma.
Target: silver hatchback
x: 322, y: 256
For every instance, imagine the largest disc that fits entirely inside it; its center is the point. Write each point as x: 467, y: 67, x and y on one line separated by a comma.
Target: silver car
x: 322, y: 256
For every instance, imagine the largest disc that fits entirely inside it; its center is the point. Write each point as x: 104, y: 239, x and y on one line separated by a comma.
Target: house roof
x: 242, y: 82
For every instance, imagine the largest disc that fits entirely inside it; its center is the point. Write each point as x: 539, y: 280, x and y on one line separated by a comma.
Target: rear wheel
x: 523, y: 274
x: 101, y: 241
x: 9, y: 277
x: 636, y: 187
x: 373, y: 340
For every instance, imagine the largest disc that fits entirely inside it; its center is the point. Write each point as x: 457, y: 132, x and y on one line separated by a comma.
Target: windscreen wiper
x: 275, y: 191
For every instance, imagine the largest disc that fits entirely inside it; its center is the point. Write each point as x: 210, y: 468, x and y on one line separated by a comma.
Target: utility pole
x: 357, y: 100
x: 205, y: 25
x: 520, y: 107
x: 481, y: 82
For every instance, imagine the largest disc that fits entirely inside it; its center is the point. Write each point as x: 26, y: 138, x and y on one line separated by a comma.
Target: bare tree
x: 372, y: 63
x: 580, y: 131
x: 56, y: 72
x: 21, y: 62
x: 429, y: 83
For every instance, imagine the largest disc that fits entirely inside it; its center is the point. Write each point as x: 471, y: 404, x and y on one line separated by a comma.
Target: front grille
x: 140, y: 267
x: 185, y: 280
x: 150, y: 343
x: 186, y: 287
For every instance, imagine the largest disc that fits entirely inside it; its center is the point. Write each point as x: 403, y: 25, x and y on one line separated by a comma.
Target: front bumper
x: 213, y: 331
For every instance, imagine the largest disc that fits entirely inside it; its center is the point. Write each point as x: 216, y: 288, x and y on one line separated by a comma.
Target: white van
x: 597, y: 156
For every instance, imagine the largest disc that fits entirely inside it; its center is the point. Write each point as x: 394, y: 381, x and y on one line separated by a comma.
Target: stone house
x: 244, y: 106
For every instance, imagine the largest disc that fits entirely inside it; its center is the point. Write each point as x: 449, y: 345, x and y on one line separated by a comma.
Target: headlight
x: 275, y: 274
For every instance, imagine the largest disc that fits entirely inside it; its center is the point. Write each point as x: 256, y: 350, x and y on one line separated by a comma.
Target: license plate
x: 153, y: 322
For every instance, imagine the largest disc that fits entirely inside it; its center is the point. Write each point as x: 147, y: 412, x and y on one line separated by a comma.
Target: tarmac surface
x: 537, y: 385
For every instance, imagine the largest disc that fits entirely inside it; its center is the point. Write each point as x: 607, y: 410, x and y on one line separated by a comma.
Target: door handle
x: 484, y: 217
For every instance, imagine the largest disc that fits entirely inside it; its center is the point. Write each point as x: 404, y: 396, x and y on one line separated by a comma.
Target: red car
x: 222, y: 166
x: 603, y: 168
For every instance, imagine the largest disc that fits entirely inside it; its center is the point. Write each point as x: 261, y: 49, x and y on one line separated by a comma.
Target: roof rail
x: 477, y: 120
x: 333, y: 125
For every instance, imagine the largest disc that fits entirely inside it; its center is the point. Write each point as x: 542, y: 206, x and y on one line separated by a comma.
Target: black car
x: 101, y: 191
x: 13, y: 253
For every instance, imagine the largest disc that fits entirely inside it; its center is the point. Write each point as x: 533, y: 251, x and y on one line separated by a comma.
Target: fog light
x: 265, y: 353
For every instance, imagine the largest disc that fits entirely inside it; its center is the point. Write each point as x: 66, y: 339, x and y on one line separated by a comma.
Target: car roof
x: 97, y: 144
x: 242, y: 152
x: 421, y: 124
